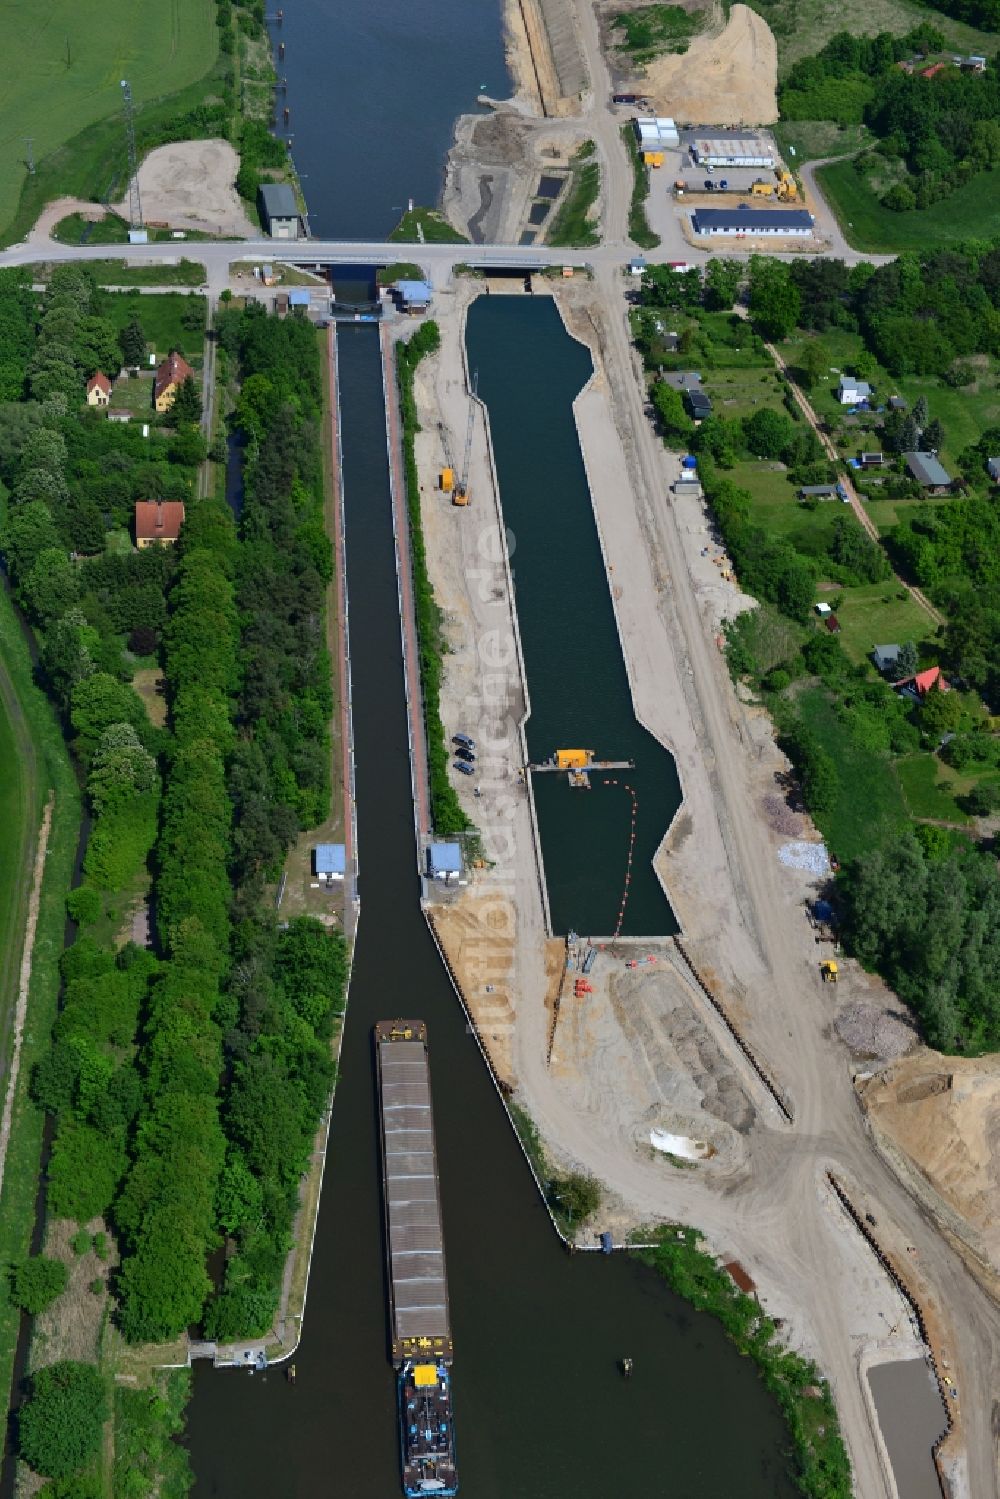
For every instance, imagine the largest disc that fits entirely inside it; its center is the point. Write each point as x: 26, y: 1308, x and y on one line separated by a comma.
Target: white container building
x: 732, y: 151
x: 657, y: 133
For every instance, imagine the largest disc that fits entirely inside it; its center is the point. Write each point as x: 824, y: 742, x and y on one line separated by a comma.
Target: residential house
x: 924, y: 682
x: 851, y: 392
x: 98, y: 389
x: 682, y: 379
x: 698, y: 404
x: 886, y: 659
x: 170, y: 374
x: 993, y: 469
x: 870, y: 460
x: 669, y: 342
x: 157, y: 522
x: 817, y: 491
x: 832, y: 623
x: 928, y: 471
x: 897, y: 403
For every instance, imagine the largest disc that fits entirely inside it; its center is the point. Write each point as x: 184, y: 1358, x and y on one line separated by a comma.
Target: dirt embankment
x: 727, y: 77
x: 940, y: 1116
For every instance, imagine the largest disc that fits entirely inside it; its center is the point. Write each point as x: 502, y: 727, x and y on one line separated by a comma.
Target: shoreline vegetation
x: 573, y: 227
x: 447, y: 814
x: 823, y: 1469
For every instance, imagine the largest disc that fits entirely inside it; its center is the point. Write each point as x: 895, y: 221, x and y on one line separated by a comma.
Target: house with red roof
x: 98, y: 389
x: 170, y: 374
x: 157, y: 521
x: 924, y: 682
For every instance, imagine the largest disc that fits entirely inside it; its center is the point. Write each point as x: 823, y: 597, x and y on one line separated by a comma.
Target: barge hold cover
x: 415, y: 1238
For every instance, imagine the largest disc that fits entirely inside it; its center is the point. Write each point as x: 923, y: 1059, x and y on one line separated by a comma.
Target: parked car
x: 466, y: 754
x: 467, y: 770
x: 463, y: 739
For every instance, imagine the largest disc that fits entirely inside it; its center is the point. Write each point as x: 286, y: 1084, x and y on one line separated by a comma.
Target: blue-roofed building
x: 743, y: 219
x: 444, y: 861
x: 414, y: 296
x: 329, y: 861
x: 299, y: 297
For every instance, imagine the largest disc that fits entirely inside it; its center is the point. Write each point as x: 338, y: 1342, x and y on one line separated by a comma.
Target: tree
x: 767, y: 432
x: 815, y: 363
x: 29, y: 531
x: 574, y: 1196
x: 186, y: 405
x: 674, y: 420
x: 921, y: 412
x: 51, y: 586
x: 120, y: 769
x: 932, y: 440
x: 98, y: 701
x: 775, y: 302
x: 132, y: 341
x: 906, y: 662
x: 982, y: 800
x: 60, y: 1425
x: 940, y: 713
x: 36, y: 1282
x: 722, y: 283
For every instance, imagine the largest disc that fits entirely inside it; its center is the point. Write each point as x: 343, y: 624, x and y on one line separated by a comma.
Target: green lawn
x: 63, y: 63
x: 801, y: 27
x: 870, y: 804
x: 427, y: 226
x: 573, y: 224
x: 809, y: 140
x: 926, y: 795
x: 973, y: 212
x: 135, y: 396
x: 740, y: 392
x: 162, y: 321
x: 651, y: 30
x: 20, y: 1185
x: 873, y: 614
x: 964, y: 414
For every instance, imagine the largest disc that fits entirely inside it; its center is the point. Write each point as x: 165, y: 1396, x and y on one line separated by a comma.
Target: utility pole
x: 134, y: 204
x: 29, y: 142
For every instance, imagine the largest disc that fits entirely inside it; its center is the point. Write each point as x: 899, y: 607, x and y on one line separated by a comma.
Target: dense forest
x: 934, y: 132
x: 185, y: 1080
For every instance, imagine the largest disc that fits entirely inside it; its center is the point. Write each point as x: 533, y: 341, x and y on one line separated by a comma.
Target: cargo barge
x: 420, y: 1329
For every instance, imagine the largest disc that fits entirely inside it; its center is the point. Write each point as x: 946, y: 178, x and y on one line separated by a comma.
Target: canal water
x: 373, y: 94
x: 541, y: 1410
x: 530, y: 371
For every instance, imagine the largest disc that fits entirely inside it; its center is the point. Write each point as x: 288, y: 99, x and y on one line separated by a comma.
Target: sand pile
x: 943, y: 1115
x: 729, y: 78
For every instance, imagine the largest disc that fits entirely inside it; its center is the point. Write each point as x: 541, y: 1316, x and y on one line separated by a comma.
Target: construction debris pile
x: 871, y: 1032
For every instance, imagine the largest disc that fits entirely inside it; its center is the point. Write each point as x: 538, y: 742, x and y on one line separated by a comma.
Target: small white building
x: 732, y: 151
x: 656, y: 133
x: 329, y: 861
x: 444, y: 862
x: 851, y: 392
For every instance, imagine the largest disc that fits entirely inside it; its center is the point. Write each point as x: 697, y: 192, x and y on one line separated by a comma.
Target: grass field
x: 654, y: 29
x: 62, y: 67
x: 162, y: 321
x: 573, y: 224
x: 17, y: 1204
x: 801, y: 27
x: 870, y: 804
x: 426, y: 225
x: 927, y: 796
x: 874, y: 614
x: 973, y: 212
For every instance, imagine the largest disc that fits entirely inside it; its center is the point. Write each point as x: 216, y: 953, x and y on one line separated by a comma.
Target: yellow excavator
x: 829, y: 971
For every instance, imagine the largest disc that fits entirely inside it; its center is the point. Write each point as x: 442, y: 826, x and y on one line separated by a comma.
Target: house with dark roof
x: 928, y: 471
x: 742, y: 219
x: 279, y: 212
x: 886, y: 659
x: 698, y: 404
x: 993, y: 469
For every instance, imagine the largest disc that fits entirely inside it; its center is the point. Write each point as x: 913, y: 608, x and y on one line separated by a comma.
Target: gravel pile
x: 781, y: 817
x: 809, y: 856
x: 871, y: 1032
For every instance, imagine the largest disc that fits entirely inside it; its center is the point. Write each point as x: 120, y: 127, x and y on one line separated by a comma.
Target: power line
x: 134, y: 203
